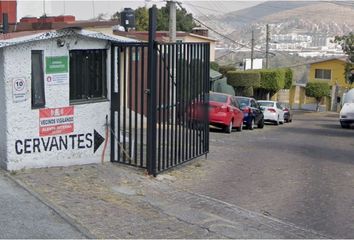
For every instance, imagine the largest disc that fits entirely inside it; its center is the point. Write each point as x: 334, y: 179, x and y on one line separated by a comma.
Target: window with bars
x: 37, y: 79
x: 88, y: 75
x: 323, y: 74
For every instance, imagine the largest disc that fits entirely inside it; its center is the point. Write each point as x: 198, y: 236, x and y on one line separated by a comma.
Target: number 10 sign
x: 19, y: 89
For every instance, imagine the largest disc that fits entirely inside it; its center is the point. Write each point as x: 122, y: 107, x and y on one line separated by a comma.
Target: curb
x: 72, y: 222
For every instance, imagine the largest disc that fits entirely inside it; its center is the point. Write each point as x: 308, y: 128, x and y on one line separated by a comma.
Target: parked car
x: 346, y: 115
x: 252, y: 112
x: 273, y: 111
x: 224, y: 112
x: 288, y: 113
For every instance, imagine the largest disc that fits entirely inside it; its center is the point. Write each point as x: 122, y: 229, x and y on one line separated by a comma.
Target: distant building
x: 257, y: 63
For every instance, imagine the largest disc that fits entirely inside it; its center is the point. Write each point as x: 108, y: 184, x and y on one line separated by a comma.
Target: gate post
x: 151, y: 93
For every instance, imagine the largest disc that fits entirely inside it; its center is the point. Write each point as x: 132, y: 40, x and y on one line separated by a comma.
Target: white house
x: 54, y: 98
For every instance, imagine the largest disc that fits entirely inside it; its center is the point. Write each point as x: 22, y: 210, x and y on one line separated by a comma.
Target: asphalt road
x: 300, y: 172
x: 24, y: 216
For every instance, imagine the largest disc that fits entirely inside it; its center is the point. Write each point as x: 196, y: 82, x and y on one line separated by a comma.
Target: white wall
x: 23, y: 121
x: 2, y: 115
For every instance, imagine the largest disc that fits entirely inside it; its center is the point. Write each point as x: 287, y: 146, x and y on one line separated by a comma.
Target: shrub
x: 288, y: 78
x: 272, y: 80
x: 224, y: 69
x: 243, y: 78
x: 317, y: 90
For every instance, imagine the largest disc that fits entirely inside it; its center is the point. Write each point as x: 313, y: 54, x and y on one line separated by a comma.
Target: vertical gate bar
x: 173, y: 101
x: 193, y: 93
x: 160, y: 106
x: 136, y: 106
x: 198, y: 92
x: 165, y: 107
x: 201, y: 94
x: 142, y: 110
x: 207, y: 69
x: 178, y: 102
x: 152, y: 92
x: 183, y: 98
x: 191, y: 105
x: 124, y: 104
x: 130, y: 103
x: 113, y: 98
x: 119, y: 65
x: 168, y: 103
x: 180, y: 89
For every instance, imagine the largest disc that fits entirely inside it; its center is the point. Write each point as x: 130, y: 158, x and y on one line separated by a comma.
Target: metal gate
x: 159, y: 104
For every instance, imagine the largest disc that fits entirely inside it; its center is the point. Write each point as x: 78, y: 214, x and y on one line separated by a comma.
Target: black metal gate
x: 159, y: 115
x: 159, y: 102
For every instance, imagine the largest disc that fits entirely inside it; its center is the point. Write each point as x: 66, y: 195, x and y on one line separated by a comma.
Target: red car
x: 224, y: 112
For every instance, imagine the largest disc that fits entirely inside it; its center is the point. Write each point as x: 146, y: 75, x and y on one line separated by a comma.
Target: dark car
x: 288, y: 113
x: 252, y: 112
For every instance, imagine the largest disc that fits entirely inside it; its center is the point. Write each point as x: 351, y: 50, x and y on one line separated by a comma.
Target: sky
x: 84, y: 9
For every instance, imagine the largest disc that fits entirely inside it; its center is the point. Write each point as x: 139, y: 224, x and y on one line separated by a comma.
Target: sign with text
x: 55, y: 121
x: 19, y: 89
x: 57, y: 70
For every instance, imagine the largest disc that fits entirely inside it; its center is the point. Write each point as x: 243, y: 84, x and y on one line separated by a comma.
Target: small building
x: 54, y: 97
x: 331, y: 70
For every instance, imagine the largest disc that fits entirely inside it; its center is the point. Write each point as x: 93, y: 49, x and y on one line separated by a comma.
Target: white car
x: 346, y: 115
x: 272, y: 111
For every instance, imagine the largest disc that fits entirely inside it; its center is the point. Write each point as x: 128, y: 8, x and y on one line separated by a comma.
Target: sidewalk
x: 115, y: 201
x: 23, y: 216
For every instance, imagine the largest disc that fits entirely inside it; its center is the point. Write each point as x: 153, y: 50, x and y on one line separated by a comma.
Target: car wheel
x: 228, y: 129
x: 239, y: 129
x: 261, y: 123
x: 250, y: 125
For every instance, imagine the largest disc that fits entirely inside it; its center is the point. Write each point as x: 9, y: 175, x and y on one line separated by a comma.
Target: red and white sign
x: 54, y: 121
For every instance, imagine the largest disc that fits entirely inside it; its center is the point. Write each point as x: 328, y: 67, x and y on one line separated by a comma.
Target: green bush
x: 272, y: 80
x: 288, y: 78
x: 243, y: 78
x: 317, y: 90
x: 224, y: 69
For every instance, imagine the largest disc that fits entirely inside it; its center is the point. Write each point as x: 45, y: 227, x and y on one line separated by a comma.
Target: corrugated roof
x: 25, y: 37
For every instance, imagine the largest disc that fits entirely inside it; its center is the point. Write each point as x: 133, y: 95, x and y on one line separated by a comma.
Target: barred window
x: 37, y: 79
x: 88, y: 75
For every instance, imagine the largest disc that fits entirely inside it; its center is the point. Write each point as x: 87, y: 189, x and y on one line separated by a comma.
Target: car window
x: 266, y: 104
x: 254, y: 104
x: 243, y: 101
x: 235, y: 102
x: 279, y: 106
x: 218, y: 98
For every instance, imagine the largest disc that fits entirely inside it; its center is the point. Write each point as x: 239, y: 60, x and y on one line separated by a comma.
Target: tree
x: 184, y: 20
x: 288, y: 78
x: 115, y: 16
x: 347, y: 44
x: 317, y: 90
x: 141, y: 19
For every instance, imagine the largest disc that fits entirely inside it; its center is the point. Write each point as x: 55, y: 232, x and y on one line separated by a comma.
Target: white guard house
x: 54, y: 98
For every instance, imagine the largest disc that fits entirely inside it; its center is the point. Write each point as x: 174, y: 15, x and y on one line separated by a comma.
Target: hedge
x: 243, y: 78
x: 224, y: 69
x: 272, y: 80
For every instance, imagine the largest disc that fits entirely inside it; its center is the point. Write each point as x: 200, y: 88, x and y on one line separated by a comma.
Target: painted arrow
x: 98, y: 140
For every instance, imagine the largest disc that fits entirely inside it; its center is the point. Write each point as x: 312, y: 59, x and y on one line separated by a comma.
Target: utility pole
x: 267, y: 46
x: 172, y: 21
x: 252, y: 49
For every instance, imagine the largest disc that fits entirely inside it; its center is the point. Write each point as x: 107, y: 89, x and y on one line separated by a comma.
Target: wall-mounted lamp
x: 60, y: 42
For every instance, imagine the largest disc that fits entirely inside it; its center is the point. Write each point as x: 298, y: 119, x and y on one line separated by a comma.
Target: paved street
x: 301, y: 172
x: 23, y: 216
x: 290, y: 181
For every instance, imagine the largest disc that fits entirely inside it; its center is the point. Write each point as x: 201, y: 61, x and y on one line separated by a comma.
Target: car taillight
x: 271, y: 110
x: 225, y: 108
